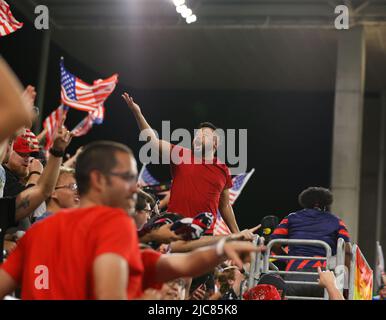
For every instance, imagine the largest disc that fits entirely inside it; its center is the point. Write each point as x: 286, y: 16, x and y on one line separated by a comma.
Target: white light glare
x: 186, y: 13
x: 178, y: 2
x: 191, y: 19
x: 181, y: 9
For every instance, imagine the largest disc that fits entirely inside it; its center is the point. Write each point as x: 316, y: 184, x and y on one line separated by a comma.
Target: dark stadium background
x: 289, y: 134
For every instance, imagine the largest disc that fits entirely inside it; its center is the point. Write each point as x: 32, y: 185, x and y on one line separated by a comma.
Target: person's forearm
x: 49, y: 176
x: 148, y: 237
x: 186, y: 246
x: 334, y: 293
x: 201, y: 261
x: 192, y: 264
x: 144, y: 125
x: 70, y: 163
x: 33, y: 179
x: 29, y: 199
x: 229, y: 217
x: 14, y: 110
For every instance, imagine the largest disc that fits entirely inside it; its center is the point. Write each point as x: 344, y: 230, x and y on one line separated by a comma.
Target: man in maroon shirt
x: 200, y: 181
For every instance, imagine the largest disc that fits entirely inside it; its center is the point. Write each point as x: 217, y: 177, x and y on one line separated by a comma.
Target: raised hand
x: 326, y: 278
x: 246, y: 235
x: 130, y: 103
x: 62, y: 137
x: 35, y: 166
x: 199, y: 293
x: 239, y: 251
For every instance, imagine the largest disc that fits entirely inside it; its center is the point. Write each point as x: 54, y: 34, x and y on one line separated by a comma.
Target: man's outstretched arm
x: 227, y: 213
x: 161, y: 145
x: 15, y: 112
x: 203, y: 260
x: 7, y: 284
x: 110, y: 277
x: 31, y: 198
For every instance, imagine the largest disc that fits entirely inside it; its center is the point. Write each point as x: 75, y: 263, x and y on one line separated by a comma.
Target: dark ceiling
x: 243, y: 45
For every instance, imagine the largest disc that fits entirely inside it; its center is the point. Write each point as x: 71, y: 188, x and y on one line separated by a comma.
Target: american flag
x: 51, y: 123
x: 145, y: 178
x: 8, y: 23
x: 80, y: 95
x: 220, y: 227
x: 86, y: 124
x: 239, y: 182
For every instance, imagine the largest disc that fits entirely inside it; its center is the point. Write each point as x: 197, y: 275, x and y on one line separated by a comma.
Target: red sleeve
x: 14, y: 263
x: 150, y: 259
x: 116, y: 234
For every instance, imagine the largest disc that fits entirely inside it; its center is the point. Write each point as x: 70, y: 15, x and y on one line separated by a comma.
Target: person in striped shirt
x: 313, y: 222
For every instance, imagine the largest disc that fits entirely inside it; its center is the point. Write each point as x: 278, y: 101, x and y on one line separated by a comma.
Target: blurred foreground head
x: 106, y: 173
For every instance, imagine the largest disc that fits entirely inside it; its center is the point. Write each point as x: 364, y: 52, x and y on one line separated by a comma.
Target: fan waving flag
x: 145, y: 178
x: 239, y: 183
x: 51, y: 123
x: 8, y: 23
x: 80, y: 95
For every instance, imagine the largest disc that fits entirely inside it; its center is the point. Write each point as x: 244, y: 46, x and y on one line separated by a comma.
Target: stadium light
x: 181, y: 9
x: 186, y: 13
x: 178, y: 2
x: 192, y: 18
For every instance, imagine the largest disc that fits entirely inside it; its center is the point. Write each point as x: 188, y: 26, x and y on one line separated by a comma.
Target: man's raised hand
x: 62, y: 137
x: 130, y: 102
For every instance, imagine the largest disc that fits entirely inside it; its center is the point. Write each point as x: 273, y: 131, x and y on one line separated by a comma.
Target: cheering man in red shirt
x: 200, y: 181
x: 86, y: 253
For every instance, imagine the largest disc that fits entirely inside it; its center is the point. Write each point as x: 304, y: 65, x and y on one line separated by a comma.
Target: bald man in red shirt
x: 200, y: 181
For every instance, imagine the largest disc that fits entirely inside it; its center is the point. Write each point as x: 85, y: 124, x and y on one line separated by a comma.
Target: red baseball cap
x: 23, y: 145
x: 262, y: 292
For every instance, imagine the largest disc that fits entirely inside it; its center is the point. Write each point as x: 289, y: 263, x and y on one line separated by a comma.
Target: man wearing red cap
x: 17, y: 167
x: 13, y: 209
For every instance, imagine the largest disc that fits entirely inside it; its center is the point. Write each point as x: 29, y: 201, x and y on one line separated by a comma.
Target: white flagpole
x: 380, y: 264
x: 244, y: 183
x: 141, y: 172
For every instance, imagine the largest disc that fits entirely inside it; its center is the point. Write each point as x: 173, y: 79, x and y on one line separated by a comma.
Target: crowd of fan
x: 84, y: 229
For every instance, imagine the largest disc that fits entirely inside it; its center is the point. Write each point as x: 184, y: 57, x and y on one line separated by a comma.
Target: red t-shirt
x: 65, y: 245
x: 150, y: 259
x: 196, y: 188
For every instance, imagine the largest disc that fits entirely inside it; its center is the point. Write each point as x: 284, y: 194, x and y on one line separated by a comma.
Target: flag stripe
x: 8, y: 22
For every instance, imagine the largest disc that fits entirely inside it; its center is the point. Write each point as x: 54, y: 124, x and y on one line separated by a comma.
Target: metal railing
x: 261, y: 263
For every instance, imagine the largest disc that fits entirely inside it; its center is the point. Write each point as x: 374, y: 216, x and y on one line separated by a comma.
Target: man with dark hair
x: 313, y: 222
x: 200, y: 181
x: 316, y: 197
x: 89, y: 252
x: 92, y: 252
